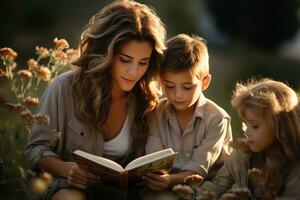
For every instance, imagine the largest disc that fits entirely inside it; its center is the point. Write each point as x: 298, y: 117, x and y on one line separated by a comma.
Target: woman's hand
x: 80, y: 178
x: 158, y: 182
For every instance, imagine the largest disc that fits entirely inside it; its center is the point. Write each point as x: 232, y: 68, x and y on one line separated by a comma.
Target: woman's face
x: 130, y: 64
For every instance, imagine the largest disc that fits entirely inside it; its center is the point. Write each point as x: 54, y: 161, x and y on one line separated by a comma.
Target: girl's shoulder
x: 238, y: 158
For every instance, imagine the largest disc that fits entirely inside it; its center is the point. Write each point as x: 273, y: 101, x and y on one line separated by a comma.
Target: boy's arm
x: 154, y: 141
x: 161, y: 182
x: 204, y: 156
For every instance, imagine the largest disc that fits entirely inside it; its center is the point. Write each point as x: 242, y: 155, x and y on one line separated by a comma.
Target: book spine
x: 124, y: 180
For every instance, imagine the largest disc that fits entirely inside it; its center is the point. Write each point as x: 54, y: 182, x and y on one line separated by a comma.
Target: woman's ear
x: 206, y: 81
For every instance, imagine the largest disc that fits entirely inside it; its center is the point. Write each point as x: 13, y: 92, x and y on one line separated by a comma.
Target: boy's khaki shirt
x: 203, y: 143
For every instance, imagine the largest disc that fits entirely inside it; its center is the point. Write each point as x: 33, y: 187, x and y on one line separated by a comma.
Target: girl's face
x: 181, y: 88
x: 259, y: 130
x: 130, y: 64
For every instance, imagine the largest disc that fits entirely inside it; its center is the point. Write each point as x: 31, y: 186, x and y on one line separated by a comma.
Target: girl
x: 271, y: 114
x: 101, y: 108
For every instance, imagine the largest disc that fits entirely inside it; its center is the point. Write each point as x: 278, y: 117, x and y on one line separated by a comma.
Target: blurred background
x: 249, y: 38
x: 259, y: 38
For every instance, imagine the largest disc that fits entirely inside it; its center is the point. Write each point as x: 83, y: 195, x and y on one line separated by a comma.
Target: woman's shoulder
x: 65, y: 78
x: 61, y: 85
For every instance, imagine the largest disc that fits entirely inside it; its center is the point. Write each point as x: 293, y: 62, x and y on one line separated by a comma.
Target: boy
x: 190, y: 124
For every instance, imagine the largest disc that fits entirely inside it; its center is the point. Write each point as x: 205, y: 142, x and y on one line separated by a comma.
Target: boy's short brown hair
x: 186, y: 52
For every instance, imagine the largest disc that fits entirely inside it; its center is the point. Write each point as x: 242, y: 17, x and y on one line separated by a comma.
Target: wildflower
x: 254, y: 174
x: 183, y: 191
x: 31, y: 101
x: 72, y: 54
x: 7, y: 53
x: 2, y: 73
x: 26, y: 115
x: 38, y: 185
x: 207, y: 195
x: 41, y: 119
x: 242, y: 193
x: 47, y: 177
x: 54, y: 138
x: 43, y: 72
x: 193, y: 179
x: 229, y: 196
x: 25, y: 74
x: 42, y: 51
x: 15, y: 107
x: 32, y: 64
x: 22, y: 172
x: 59, y: 54
x: 12, y: 65
x: 28, y: 129
x: 61, y: 43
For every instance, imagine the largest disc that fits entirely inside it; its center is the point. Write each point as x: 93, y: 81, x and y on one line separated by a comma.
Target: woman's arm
x: 70, y: 170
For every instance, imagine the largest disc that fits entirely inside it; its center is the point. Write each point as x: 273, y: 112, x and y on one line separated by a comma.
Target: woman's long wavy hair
x: 116, y: 24
x: 280, y: 103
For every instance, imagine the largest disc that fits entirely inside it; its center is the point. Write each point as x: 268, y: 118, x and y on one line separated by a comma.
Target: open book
x: 110, y: 171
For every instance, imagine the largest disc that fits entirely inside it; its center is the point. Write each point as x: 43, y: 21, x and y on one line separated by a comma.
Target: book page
x: 100, y: 160
x: 149, y: 158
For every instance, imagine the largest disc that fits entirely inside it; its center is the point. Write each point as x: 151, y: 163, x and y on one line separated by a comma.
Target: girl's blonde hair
x: 116, y: 24
x: 281, y: 103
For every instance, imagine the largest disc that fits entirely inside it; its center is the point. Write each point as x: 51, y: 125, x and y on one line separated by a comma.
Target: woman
x: 102, y: 107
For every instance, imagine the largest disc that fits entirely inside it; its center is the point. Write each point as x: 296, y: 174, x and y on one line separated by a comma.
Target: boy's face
x: 259, y: 130
x: 181, y: 88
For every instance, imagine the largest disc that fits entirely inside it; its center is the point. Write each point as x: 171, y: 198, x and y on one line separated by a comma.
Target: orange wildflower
x: 72, y: 54
x: 31, y: 101
x: 61, y: 43
x: 47, y: 177
x: 43, y: 72
x: 15, y: 107
x: 7, y: 53
x: 42, y: 51
x: 183, y: 191
x: 38, y: 185
x: 27, y: 115
x: 25, y: 74
x: 41, y: 119
x: 12, y: 65
x: 193, y: 179
x: 59, y: 54
x: 32, y: 63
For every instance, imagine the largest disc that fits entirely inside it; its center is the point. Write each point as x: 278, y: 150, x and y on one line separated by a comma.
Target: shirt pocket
x: 77, y: 136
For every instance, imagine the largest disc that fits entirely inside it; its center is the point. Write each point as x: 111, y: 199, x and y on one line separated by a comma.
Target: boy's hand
x: 80, y: 178
x: 156, y: 181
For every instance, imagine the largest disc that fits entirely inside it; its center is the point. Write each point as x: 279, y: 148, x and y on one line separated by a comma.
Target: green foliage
x: 19, y: 92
